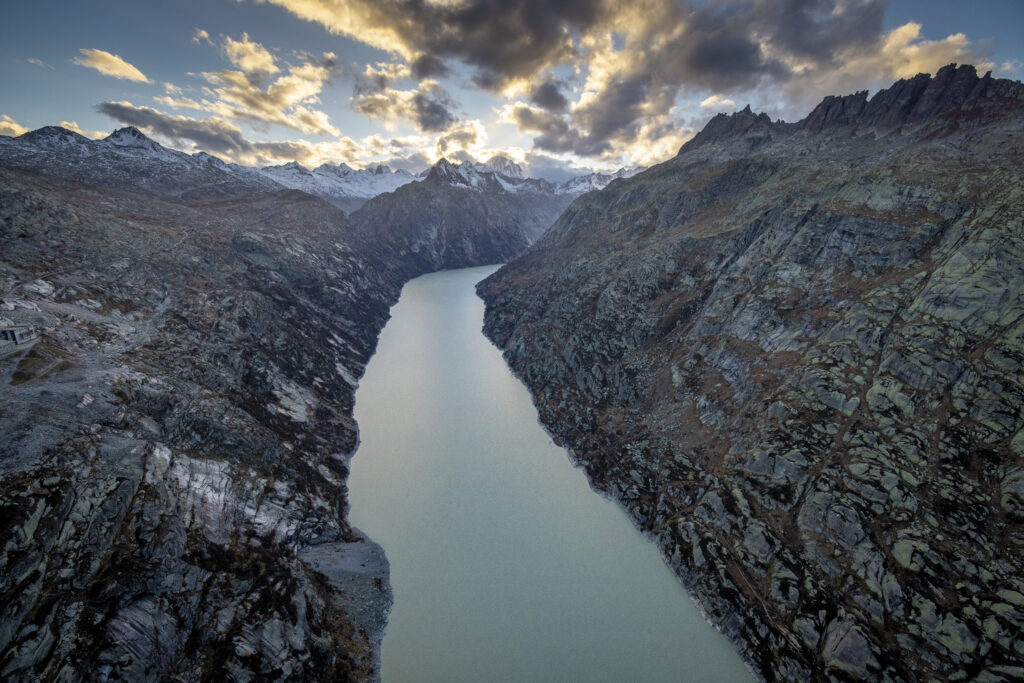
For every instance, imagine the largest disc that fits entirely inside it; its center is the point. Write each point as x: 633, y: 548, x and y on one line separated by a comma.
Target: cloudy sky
x: 559, y: 85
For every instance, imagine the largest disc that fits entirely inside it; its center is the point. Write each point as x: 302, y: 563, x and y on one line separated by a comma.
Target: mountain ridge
x: 128, y: 159
x: 792, y: 354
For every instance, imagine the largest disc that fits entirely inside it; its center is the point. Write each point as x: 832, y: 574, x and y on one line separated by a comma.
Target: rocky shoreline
x: 721, y: 615
x: 177, y: 439
x: 792, y: 354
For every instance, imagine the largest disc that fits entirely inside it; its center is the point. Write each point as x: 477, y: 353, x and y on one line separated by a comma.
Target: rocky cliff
x: 794, y: 354
x: 459, y: 215
x: 176, y: 442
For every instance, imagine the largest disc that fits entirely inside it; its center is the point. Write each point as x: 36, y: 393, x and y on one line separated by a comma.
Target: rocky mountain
x: 459, y: 214
x: 793, y: 353
x: 504, y: 166
x: 176, y: 441
x: 339, y: 184
x: 594, y: 181
x: 128, y: 160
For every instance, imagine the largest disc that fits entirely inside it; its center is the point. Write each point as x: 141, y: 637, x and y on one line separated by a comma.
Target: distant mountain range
x: 128, y: 160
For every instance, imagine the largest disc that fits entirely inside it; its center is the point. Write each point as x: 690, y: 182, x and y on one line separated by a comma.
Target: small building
x: 18, y: 334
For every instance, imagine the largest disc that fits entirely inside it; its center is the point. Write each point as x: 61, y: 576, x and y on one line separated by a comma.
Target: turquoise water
x: 505, y: 565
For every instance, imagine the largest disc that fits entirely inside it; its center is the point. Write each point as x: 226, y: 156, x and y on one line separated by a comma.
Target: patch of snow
x: 294, y: 401
x: 40, y: 287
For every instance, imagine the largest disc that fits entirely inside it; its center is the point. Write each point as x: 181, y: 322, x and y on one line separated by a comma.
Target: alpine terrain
x: 176, y: 437
x: 794, y: 353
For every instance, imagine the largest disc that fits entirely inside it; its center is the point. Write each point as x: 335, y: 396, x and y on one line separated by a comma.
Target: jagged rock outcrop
x: 794, y: 354
x: 176, y: 442
x: 458, y: 215
x: 341, y: 185
x: 128, y: 160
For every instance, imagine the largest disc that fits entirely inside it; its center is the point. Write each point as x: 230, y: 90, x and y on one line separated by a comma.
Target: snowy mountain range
x: 127, y: 159
x: 342, y: 185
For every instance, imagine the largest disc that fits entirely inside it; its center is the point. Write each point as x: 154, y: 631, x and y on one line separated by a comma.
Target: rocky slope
x: 459, y: 215
x: 176, y: 443
x: 794, y: 354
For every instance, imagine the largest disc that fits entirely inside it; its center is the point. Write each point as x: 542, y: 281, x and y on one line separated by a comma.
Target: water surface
x: 505, y: 565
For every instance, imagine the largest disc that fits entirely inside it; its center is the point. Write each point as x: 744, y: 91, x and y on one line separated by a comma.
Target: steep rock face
x: 458, y: 215
x: 176, y: 443
x: 794, y: 354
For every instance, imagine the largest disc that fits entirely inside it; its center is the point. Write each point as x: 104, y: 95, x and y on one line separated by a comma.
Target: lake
x: 505, y: 565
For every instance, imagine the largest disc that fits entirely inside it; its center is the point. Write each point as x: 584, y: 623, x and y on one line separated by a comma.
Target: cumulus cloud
x: 500, y: 40
x: 286, y: 101
x: 178, y: 102
x: 718, y: 103
x: 428, y: 107
x: 548, y: 95
x: 73, y: 126
x: 200, y: 36
x: 899, y: 53
x: 9, y: 126
x: 109, y: 65
x: 466, y: 138
x: 634, y: 63
x: 249, y: 56
x: 552, y: 131
x: 39, y: 62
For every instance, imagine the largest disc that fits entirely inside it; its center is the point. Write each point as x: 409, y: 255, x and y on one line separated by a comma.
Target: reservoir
x: 505, y: 565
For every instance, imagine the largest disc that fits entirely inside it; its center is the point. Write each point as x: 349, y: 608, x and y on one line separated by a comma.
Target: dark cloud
x: 505, y: 40
x: 212, y: 135
x: 433, y: 110
x: 217, y: 136
x: 499, y: 39
x: 811, y: 29
x: 429, y: 107
x: 617, y: 112
x: 554, y: 132
x: 724, y: 47
x: 660, y: 50
x: 429, y: 66
x: 538, y: 165
x: 413, y: 163
x: 548, y: 95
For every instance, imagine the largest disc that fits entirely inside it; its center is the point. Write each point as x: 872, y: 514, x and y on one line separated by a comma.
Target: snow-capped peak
x: 467, y: 174
x: 595, y: 181
x: 340, y: 170
x: 339, y: 184
x: 501, y: 164
x: 54, y: 137
x: 129, y: 136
